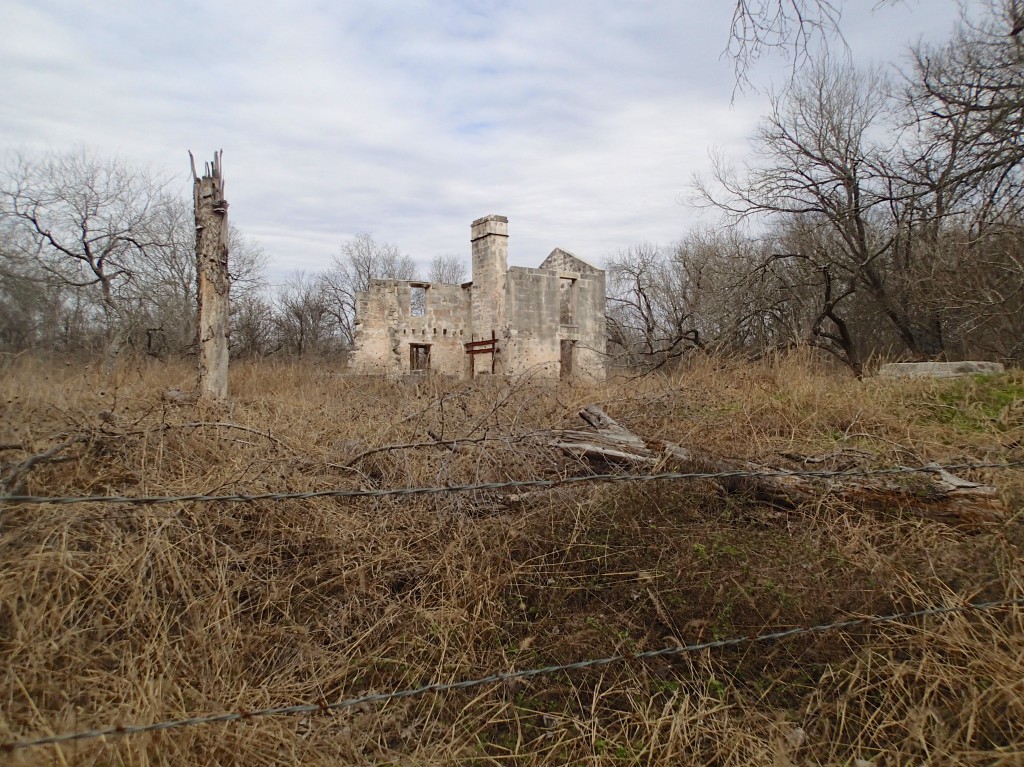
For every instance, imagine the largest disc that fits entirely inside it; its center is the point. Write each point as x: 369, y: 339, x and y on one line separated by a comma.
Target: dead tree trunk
x: 212, y: 281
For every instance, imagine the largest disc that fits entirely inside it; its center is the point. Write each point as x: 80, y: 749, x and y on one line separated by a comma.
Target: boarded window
x: 419, y: 357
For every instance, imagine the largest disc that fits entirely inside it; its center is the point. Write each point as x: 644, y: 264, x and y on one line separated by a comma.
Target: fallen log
x: 929, y: 490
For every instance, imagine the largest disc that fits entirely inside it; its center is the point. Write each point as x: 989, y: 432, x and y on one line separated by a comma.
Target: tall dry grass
x: 116, y: 614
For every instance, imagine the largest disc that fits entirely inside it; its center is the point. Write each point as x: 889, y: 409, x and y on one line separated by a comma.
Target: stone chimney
x: 489, y: 236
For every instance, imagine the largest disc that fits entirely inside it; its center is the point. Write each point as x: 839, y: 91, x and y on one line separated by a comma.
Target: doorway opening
x: 419, y: 358
x: 565, y: 358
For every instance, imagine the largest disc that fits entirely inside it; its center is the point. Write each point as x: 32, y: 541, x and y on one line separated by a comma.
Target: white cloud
x: 581, y: 121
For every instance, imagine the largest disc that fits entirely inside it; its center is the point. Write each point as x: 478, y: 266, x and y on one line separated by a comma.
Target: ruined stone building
x: 548, y: 321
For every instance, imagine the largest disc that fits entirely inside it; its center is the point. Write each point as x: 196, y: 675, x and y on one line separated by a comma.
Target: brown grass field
x: 115, y: 614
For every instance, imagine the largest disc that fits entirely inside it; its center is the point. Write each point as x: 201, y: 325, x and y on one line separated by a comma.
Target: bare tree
x: 648, y: 315
x: 169, y: 279
x: 32, y: 307
x: 915, y: 231
x: 790, y: 27
x: 254, y: 326
x: 304, y: 318
x: 759, y: 26
x: 736, y: 305
x: 447, y: 269
x: 713, y: 290
x: 85, y: 224
x: 361, y: 259
x: 815, y: 301
x: 94, y: 254
x: 821, y: 158
x: 26, y: 297
x: 966, y: 99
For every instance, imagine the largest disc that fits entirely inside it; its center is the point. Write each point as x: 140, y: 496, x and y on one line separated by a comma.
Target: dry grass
x: 115, y: 614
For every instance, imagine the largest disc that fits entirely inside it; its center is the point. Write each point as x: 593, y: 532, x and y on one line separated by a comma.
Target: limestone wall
x: 386, y: 327
x: 548, y: 321
x: 581, y: 318
x: 563, y: 261
x: 590, y: 358
x: 532, y: 305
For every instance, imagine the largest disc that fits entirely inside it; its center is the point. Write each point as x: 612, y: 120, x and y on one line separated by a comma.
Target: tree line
x: 878, y: 214
x: 98, y: 257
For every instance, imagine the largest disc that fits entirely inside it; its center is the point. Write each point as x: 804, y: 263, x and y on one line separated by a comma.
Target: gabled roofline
x: 573, y: 255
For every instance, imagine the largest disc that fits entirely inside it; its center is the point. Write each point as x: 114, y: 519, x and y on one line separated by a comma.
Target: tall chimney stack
x: 489, y: 236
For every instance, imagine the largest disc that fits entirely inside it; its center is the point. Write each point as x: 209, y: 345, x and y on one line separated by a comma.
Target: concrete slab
x: 938, y: 369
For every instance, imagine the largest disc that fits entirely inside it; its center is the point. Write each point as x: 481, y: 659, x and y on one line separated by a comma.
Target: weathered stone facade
x: 548, y: 321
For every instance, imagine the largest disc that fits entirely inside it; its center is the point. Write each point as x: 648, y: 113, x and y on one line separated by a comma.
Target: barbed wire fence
x: 508, y: 676
x: 374, y: 698
x: 508, y: 485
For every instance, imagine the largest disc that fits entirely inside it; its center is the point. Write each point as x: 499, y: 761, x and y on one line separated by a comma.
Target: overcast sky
x: 583, y: 122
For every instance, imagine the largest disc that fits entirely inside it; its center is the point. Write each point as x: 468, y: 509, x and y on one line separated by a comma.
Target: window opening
x: 418, y: 301
x: 566, y: 301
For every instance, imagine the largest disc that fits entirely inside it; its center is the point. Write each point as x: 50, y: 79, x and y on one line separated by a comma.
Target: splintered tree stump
x: 212, y: 280
x: 929, y: 491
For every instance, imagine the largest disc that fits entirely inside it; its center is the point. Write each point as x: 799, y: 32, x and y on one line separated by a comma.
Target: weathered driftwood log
x: 929, y: 491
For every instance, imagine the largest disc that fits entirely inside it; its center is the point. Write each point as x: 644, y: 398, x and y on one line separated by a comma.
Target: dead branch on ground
x: 15, y: 474
x: 929, y: 490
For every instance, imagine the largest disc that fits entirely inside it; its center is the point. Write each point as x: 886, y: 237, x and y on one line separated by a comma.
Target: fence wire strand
x: 522, y: 483
x: 325, y: 707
